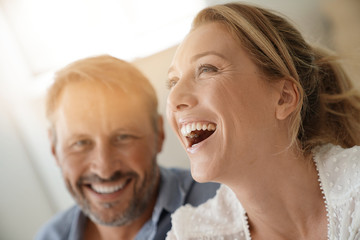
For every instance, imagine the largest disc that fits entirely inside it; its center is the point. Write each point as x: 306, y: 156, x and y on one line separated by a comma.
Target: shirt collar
x: 78, y: 224
x: 172, y: 192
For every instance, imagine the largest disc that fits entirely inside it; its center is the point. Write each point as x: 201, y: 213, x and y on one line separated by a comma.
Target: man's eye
x: 82, y: 143
x: 123, y: 137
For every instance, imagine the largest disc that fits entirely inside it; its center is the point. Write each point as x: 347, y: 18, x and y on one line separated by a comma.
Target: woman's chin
x: 202, y: 174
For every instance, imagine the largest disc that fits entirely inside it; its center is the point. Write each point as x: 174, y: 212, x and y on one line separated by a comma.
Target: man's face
x: 106, y: 147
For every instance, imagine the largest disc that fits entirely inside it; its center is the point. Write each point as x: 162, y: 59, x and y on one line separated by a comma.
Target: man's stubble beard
x: 139, y: 203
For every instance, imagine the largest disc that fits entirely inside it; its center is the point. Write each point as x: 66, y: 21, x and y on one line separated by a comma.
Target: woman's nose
x: 181, y: 96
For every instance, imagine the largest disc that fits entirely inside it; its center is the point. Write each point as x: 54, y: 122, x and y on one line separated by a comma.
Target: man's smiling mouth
x: 108, y: 189
x: 197, y: 132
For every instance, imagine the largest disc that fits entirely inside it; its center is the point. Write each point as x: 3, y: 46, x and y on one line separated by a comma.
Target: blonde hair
x: 106, y: 70
x: 329, y: 107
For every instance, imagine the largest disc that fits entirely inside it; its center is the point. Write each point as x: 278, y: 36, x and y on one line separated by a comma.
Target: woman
x: 272, y: 118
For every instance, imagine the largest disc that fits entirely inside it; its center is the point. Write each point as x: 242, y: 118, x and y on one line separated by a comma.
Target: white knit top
x: 223, y: 217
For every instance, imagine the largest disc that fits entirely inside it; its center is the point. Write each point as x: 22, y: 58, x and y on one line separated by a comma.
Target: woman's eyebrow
x: 199, y: 55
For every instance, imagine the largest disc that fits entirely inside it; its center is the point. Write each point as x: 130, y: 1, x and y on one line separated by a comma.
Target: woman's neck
x: 282, y: 198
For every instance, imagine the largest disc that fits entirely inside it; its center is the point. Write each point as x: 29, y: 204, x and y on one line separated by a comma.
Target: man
x: 105, y: 135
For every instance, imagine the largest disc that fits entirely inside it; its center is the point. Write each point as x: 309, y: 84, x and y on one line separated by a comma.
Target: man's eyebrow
x: 199, y: 55
x: 77, y: 136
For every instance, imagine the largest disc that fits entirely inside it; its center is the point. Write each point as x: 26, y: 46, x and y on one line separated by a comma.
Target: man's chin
x: 106, y: 214
x: 106, y: 220
x: 111, y: 222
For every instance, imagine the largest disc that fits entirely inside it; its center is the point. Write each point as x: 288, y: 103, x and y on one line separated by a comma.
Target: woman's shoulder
x: 217, y: 218
x: 329, y: 150
x: 339, y: 169
x: 339, y: 175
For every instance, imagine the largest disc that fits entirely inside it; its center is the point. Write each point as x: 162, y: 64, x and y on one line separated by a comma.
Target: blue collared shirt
x: 176, y: 189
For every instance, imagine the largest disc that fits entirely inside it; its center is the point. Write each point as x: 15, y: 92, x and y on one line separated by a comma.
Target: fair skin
x: 213, y: 82
x: 106, y: 147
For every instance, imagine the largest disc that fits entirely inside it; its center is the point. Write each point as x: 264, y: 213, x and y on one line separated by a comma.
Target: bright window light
x: 53, y: 33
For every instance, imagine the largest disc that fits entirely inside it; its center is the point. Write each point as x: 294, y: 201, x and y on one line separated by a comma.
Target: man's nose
x: 103, y: 162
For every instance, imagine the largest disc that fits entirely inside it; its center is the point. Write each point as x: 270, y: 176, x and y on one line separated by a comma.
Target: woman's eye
x: 171, y: 83
x: 206, y: 68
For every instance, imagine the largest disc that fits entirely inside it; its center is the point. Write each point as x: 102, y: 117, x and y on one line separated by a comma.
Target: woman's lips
x: 196, y: 132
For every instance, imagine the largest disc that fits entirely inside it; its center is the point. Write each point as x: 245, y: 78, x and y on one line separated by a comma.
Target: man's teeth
x: 188, y: 128
x: 107, y: 189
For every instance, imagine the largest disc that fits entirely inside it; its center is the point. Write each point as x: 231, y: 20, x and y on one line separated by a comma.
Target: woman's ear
x: 288, y: 99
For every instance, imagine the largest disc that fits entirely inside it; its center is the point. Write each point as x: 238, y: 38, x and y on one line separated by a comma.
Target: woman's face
x: 219, y: 105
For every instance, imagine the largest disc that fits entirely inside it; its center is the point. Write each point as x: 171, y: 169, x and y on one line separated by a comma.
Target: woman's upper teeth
x: 188, y: 128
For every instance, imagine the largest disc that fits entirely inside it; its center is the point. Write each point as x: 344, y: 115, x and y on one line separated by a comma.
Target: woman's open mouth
x: 197, y: 132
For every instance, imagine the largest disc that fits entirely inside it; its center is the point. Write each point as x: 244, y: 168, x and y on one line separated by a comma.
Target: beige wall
x: 343, y: 17
x: 155, y: 68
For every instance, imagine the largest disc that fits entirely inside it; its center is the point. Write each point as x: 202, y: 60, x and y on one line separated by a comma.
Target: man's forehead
x: 94, y: 91
x: 89, y: 98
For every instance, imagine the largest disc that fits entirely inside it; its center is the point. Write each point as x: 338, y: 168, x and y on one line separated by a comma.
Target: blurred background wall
x: 37, y: 37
